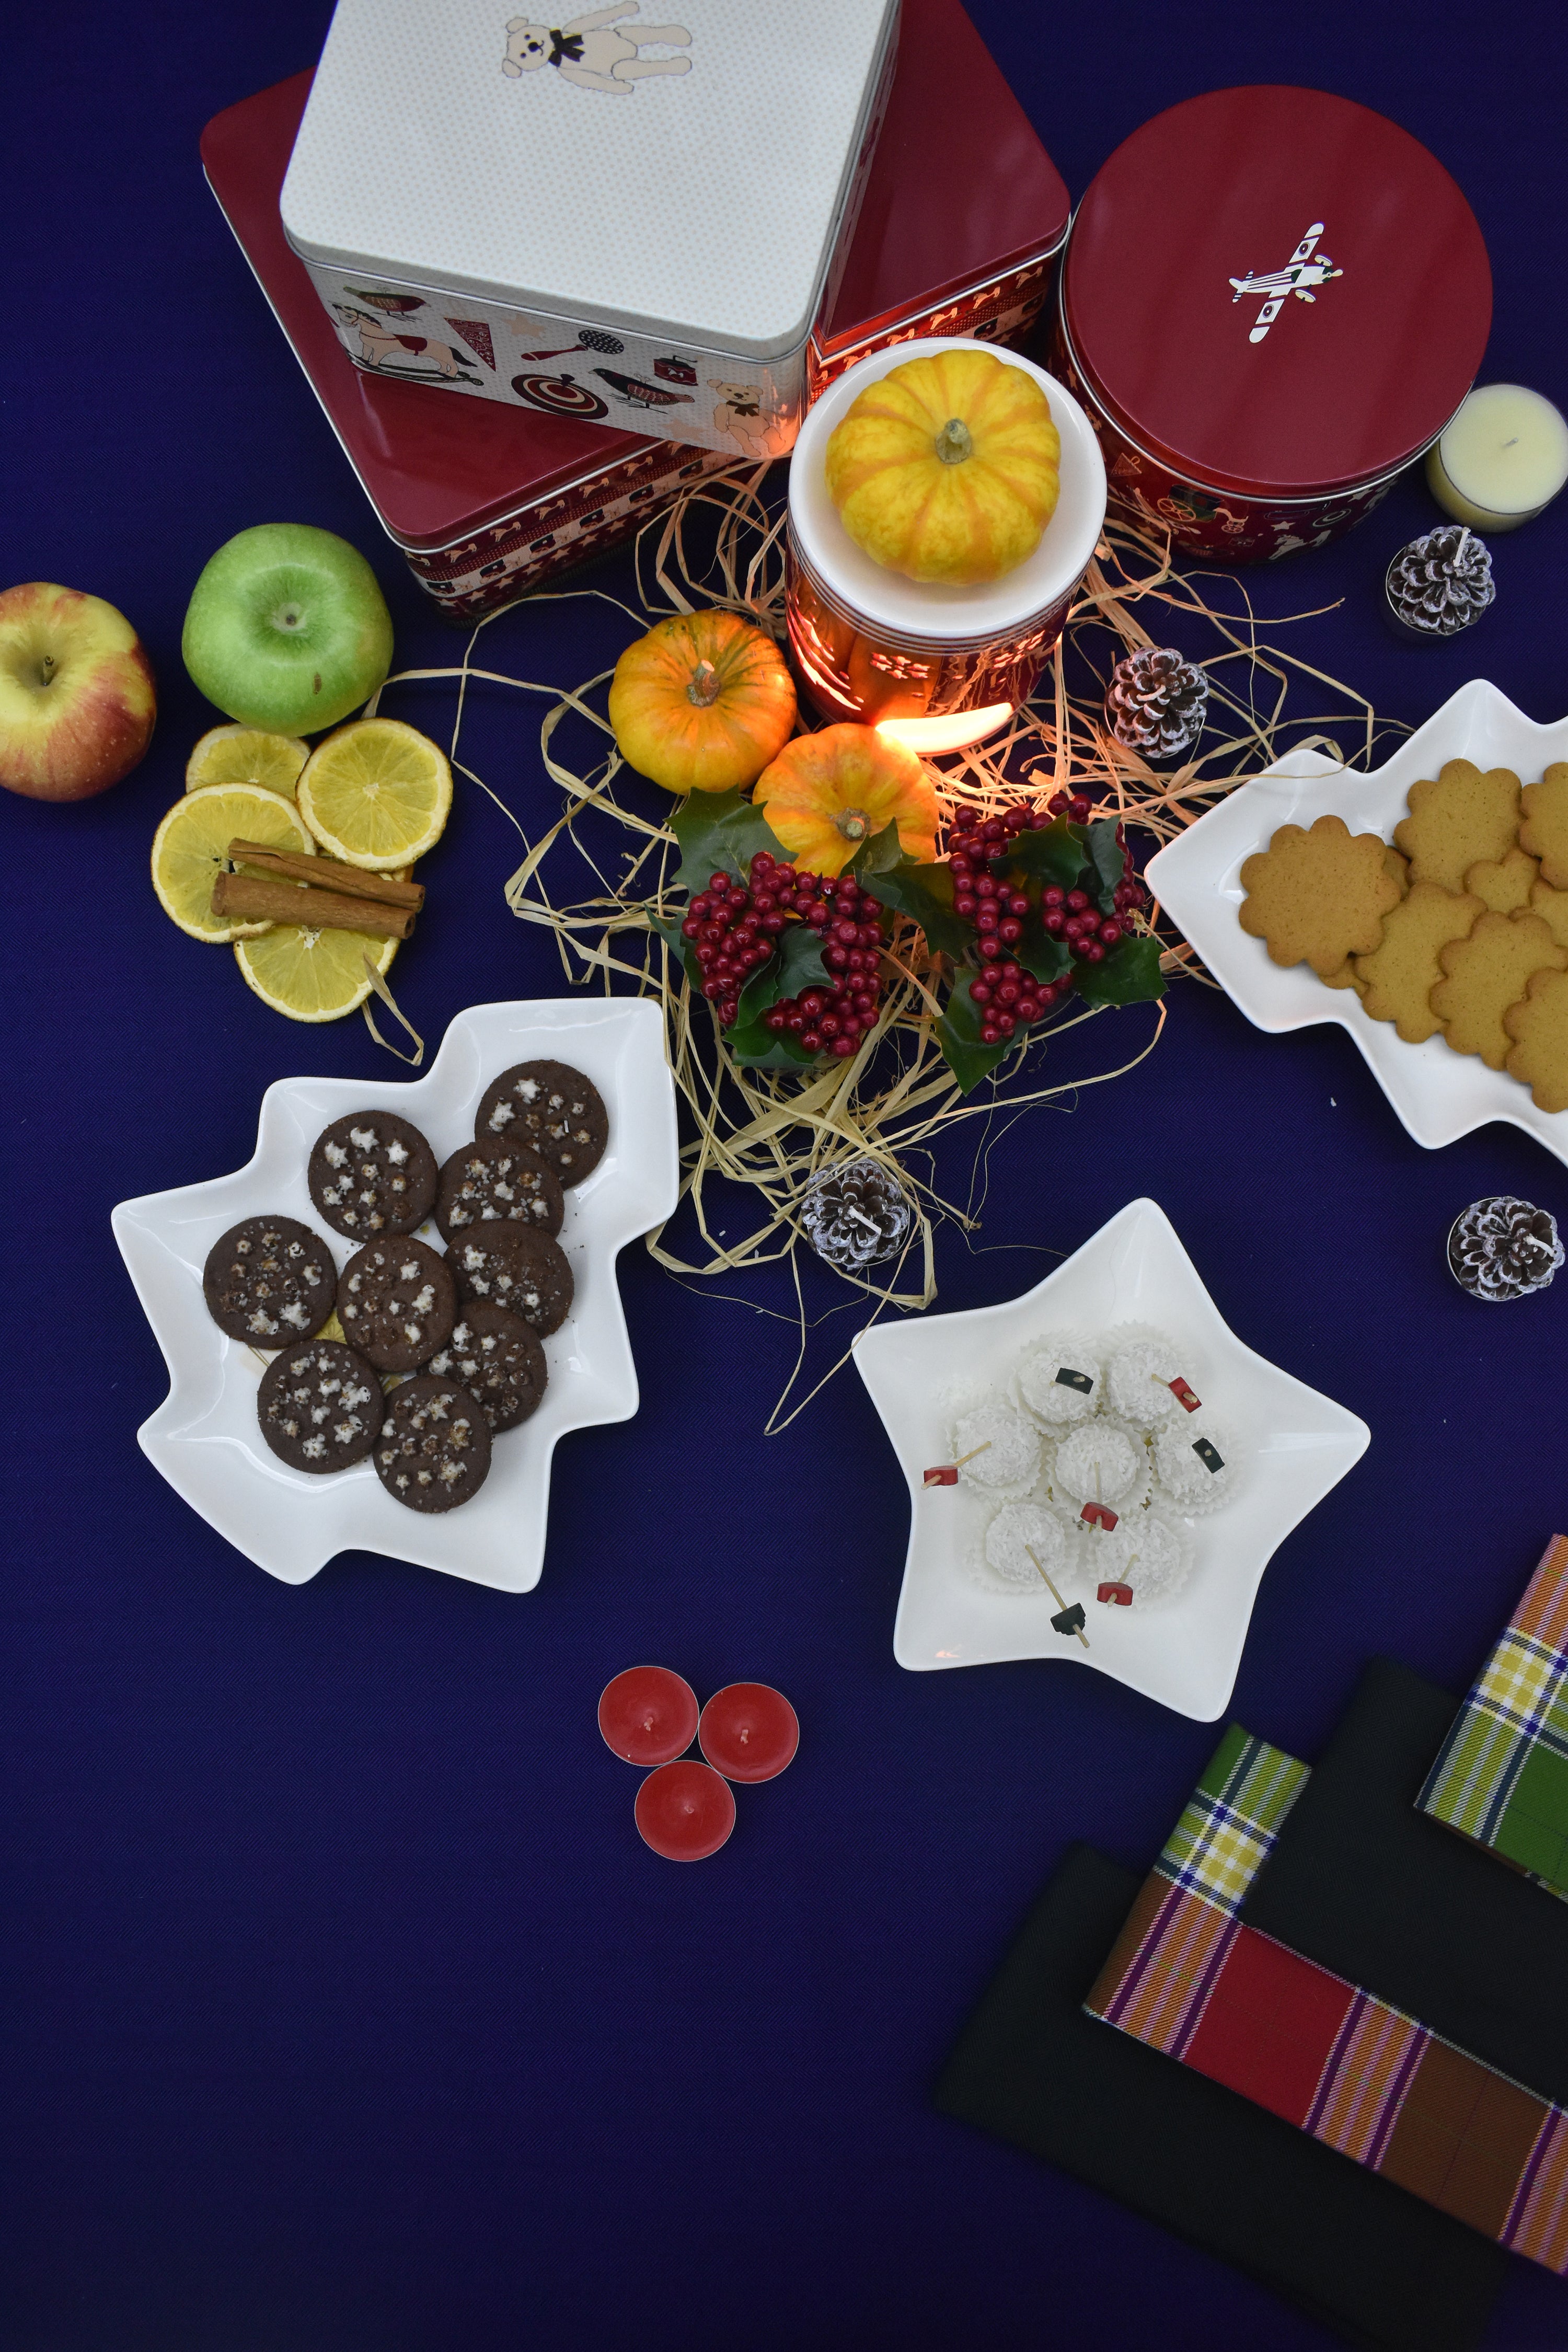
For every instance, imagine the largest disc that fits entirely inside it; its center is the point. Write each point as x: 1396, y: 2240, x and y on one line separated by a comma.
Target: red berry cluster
x: 1071, y: 917
x: 733, y: 931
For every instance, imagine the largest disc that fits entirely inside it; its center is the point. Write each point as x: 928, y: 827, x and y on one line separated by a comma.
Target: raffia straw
x: 776, y: 1132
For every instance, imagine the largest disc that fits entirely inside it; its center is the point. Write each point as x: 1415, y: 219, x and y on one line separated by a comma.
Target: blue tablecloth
x: 341, y: 2005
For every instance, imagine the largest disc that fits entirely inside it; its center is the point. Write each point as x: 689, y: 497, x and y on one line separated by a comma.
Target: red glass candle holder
x: 647, y: 1715
x: 872, y: 647
x: 749, y: 1732
x: 685, y: 1811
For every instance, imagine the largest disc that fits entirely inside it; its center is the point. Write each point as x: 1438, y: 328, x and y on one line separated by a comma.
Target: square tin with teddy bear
x: 625, y: 222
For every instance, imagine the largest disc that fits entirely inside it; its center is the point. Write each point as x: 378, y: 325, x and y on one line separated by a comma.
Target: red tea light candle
x: 647, y: 1715
x: 749, y: 1732
x: 685, y: 1811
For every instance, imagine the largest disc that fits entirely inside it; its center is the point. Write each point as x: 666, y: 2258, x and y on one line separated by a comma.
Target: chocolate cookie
x: 500, y: 1363
x: 434, y: 1451
x: 497, y: 1181
x: 555, y: 1108
x: 270, y: 1280
x: 396, y: 1303
x: 506, y: 1265
x: 371, y: 1173
x: 319, y: 1406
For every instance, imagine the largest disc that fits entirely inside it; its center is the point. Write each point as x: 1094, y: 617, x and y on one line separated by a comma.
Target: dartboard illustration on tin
x: 562, y: 395
x: 377, y: 345
x: 592, y: 53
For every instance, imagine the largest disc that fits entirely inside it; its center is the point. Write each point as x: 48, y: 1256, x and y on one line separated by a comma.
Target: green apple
x: 77, y: 697
x: 287, y: 629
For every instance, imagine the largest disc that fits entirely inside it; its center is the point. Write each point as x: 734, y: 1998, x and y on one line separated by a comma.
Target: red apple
x: 76, y: 697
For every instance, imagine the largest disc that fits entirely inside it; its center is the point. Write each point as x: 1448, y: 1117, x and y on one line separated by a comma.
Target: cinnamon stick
x: 353, y: 880
x: 259, y: 898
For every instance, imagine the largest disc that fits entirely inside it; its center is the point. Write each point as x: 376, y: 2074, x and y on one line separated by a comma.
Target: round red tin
x: 1272, y: 302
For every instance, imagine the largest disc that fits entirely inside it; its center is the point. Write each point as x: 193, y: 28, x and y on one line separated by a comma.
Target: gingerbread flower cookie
x: 1503, y: 885
x: 1399, y: 976
x: 1486, y: 973
x: 1458, y: 818
x: 1318, y: 896
x: 1544, y: 830
x: 1538, y: 1031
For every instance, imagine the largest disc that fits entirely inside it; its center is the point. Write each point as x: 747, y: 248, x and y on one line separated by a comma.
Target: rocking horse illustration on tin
x: 1298, y: 276
x: 590, y: 52
x: 388, y: 352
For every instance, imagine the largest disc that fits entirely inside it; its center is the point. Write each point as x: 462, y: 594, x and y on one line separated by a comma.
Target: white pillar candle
x: 1503, y: 458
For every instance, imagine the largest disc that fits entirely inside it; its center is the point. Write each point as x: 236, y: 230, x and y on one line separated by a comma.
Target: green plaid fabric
x: 1231, y: 1819
x: 1501, y: 1775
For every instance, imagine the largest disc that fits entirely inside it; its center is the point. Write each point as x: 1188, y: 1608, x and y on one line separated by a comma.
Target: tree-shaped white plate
x: 1297, y: 1445
x: 1438, y: 1095
x: 205, y: 1438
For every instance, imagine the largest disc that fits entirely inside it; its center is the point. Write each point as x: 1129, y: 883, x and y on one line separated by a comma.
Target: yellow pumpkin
x: 947, y: 468
x: 826, y: 793
x: 702, y: 703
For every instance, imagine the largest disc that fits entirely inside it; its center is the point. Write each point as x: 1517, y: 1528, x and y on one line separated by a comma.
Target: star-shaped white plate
x: 1438, y: 1095
x: 205, y: 1438
x: 1297, y: 1444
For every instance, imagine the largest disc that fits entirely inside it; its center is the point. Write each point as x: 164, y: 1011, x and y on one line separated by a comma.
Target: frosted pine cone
x: 1156, y: 702
x: 856, y: 1214
x: 1504, y: 1248
x: 1441, y: 582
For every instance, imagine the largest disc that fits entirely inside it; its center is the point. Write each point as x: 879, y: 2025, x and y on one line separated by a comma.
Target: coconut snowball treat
x: 1159, y: 1561
x: 1060, y: 1380
x: 1197, y: 1464
x: 1001, y: 1446
x: 1017, y: 1530
x: 1145, y: 1379
x: 1102, y: 1461
x: 947, y: 468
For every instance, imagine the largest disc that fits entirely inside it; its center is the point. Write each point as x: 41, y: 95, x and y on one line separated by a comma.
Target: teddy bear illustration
x: 748, y: 414
x: 589, y: 50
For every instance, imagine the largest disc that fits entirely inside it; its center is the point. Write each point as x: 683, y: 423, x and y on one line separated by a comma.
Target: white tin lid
x: 930, y: 608
x: 699, y: 203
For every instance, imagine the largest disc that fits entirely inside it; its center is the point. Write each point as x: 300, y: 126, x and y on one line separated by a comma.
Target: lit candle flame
x: 954, y: 732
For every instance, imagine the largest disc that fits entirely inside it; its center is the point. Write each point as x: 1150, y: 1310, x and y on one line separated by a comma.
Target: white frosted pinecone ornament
x: 1156, y: 702
x: 855, y: 1215
x: 1440, y: 583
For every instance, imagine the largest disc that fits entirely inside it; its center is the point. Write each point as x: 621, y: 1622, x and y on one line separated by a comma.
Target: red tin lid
x: 433, y: 467
x: 926, y: 230
x: 1277, y: 292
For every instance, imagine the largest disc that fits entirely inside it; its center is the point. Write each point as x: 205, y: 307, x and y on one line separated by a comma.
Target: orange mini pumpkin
x: 702, y: 703
x: 826, y: 793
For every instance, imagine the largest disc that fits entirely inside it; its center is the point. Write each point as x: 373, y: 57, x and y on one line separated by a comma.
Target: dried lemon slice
x: 190, y: 850
x: 376, y: 793
x: 312, y: 975
x: 247, y: 755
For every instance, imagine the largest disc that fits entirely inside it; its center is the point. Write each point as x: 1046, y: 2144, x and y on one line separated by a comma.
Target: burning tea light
x: 647, y: 1715
x: 749, y: 1732
x: 1501, y: 460
x: 685, y: 1811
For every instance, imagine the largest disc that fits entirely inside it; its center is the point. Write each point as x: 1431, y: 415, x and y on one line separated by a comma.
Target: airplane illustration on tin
x: 1300, y: 275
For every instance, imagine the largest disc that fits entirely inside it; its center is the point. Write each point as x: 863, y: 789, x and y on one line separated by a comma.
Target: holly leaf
x: 1108, y: 863
x: 1040, y: 953
x: 796, y: 964
x: 1129, y: 974
x: 760, y: 1049
x: 1055, y: 856
x: 924, y: 893
x: 880, y: 853
x: 721, y: 833
x: 958, y: 1034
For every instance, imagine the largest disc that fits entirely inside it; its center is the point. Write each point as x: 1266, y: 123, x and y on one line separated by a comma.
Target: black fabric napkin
x: 1360, y: 2256
x: 1361, y: 1883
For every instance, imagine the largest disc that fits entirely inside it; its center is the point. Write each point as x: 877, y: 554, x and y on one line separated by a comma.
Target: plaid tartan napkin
x: 1501, y: 1774
x: 1187, y: 1977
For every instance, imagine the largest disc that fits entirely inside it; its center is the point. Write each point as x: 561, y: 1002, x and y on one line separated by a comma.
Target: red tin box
x: 1272, y: 302
x: 489, y: 502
